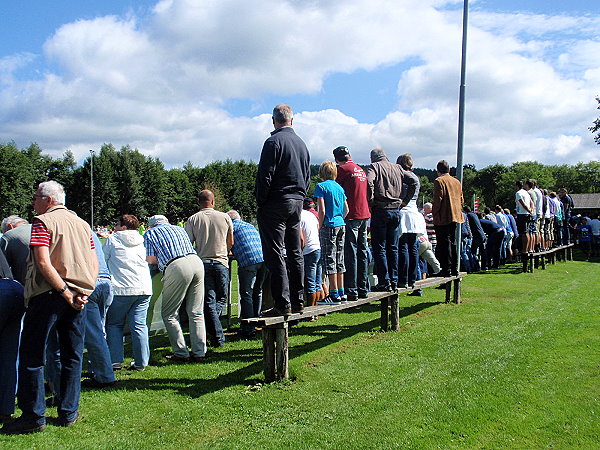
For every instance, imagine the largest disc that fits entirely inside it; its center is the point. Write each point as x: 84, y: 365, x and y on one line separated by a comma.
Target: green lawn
x: 515, y: 365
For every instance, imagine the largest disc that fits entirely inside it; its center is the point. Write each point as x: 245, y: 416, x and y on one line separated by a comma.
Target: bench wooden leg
x: 448, y: 287
x: 395, y: 312
x: 543, y: 261
x: 384, y: 313
x: 525, y: 260
x: 275, y: 352
x: 570, y: 253
x: 457, y: 291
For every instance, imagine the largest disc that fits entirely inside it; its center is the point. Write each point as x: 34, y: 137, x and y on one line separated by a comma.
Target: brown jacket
x: 70, y: 253
x: 447, y: 200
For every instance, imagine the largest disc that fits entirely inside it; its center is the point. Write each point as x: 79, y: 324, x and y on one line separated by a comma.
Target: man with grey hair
x: 282, y: 181
x: 15, y: 245
x: 62, y: 271
x: 385, y: 194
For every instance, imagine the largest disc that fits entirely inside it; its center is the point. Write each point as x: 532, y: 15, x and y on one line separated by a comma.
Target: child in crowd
x: 332, y: 207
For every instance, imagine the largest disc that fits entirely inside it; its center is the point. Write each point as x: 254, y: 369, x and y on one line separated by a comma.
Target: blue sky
x: 196, y: 80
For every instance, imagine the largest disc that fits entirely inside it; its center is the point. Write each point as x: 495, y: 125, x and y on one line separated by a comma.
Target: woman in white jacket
x: 125, y: 255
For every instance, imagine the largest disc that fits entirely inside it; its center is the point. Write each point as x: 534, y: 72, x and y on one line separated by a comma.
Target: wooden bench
x: 275, y: 329
x: 539, y: 259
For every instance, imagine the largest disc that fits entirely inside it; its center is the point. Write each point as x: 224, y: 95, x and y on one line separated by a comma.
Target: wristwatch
x: 60, y: 291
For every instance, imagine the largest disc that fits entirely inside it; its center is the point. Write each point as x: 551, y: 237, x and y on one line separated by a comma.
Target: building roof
x: 586, y: 201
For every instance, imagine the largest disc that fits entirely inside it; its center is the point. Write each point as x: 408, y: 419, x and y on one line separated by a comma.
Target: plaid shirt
x: 167, y: 242
x: 430, y: 228
x: 247, y: 248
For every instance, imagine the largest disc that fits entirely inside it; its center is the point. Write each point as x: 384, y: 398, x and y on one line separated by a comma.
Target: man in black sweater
x: 479, y: 241
x: 282, y: 182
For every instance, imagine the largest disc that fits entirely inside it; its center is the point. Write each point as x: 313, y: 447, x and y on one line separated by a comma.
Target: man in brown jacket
x: 447, y: 214
x: 61, y: 273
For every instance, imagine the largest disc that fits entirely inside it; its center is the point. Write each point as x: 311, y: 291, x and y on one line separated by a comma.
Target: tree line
x: 126, y: 181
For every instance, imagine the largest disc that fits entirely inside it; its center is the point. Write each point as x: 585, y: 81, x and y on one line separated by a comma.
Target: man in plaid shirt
x: 247, y: 250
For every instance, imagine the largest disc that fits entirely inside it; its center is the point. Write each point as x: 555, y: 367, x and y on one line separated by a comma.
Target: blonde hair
x: 328, y: 170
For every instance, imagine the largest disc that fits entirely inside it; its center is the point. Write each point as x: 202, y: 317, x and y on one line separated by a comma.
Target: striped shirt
x: 430, y: 228
x: 40, y: 236
x: 247, y: 247
x: 167, y: 242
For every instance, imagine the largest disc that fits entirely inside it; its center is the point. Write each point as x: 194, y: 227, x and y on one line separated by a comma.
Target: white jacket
x: 125, y: 255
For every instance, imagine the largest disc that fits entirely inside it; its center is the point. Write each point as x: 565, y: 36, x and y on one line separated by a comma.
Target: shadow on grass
x: 251, y: 372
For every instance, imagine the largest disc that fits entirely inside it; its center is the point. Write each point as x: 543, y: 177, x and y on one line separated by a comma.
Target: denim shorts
x: 332, y: 249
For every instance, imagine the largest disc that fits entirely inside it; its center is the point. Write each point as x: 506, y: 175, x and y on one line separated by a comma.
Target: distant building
x: 586, y: 204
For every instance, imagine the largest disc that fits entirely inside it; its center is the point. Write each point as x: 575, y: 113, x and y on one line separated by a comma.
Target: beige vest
x: 70, y: 254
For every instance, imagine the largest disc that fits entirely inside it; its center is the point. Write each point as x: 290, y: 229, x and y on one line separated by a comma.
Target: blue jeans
x: 356, y: 258
x: 131, y: 309
x: 466, y: 258
x: 11, y: 312
x: 95, y: 341
x: 408, y: 259
x: 216, y: 283
x: 44, y: 311
x: 312, y: 283
x: 251, y: 280
x: 385, y: 232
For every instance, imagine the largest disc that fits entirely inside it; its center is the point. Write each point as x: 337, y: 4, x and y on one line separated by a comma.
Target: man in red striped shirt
x: 61, y: 273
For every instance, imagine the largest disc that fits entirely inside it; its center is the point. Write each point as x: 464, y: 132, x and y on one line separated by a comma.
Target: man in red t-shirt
x: 356, y: 254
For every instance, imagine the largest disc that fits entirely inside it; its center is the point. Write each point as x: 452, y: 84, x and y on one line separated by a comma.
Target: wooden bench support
x: 275, y: 352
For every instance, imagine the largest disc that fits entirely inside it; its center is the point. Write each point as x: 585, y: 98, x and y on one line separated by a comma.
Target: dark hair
x: 405, y: 160
x: 467, y: 208
x: 129, y: 221
x: 341, y: 153
x: 443, y: 166
x: 519, y: 184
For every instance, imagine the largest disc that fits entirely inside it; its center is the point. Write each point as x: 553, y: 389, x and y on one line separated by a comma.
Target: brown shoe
x: 276, y: 312
x: 197, y: 359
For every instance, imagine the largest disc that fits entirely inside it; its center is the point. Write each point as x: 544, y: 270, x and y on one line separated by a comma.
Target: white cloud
x: 160, y: 83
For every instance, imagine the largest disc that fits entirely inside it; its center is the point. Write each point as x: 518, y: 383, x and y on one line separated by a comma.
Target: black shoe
x: 363, y: 295
x: 298, y: 309
x: 416, y: 293
x: 63, y: 422
x: 382, y: 288
x: 276, y: 312
x: 22, y: 426
x: 5, y: 418
x: 92, y: 383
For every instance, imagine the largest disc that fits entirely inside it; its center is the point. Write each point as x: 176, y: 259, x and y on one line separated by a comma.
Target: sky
x: 196, y: 80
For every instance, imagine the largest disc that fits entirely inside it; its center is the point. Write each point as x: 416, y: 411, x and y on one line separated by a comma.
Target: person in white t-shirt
x: 311, y: 251
x: 524, y: 208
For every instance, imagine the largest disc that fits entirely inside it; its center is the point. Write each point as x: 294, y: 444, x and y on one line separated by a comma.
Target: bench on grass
x: 539, y: 259
x: 275, y: 329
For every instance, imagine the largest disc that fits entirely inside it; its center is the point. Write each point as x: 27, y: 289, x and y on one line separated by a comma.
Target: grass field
x: 516, y: 365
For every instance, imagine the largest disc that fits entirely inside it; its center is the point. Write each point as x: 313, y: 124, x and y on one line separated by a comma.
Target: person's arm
x: 346, y: 208
x: 436, y: 200
x: 370, y: 185
x: 266, y: 171
x: 411, y: 183
x: 229, y: 240
x: 302, y: 238
x: 151, y: 259
x: 321, y: 210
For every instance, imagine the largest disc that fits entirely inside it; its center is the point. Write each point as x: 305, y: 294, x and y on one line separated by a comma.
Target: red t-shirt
x: 354, y: 181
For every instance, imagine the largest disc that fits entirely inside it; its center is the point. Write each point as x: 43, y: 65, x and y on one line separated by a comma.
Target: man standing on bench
x: 447, y: 214
x: 282, y: 181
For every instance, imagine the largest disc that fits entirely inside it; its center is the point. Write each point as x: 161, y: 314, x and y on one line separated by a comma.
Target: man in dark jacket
x: 282, y: 181
x: 495, y: 236
x: 478, y: 252
x: 385, y: 196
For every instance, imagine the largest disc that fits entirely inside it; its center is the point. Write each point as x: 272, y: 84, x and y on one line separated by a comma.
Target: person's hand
x: 79, y: 301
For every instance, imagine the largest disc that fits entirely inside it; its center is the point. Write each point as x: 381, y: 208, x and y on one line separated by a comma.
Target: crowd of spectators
x: 82, y: 293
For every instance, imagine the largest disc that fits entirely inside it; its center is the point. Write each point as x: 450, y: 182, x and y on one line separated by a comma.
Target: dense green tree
x: 595, y: 128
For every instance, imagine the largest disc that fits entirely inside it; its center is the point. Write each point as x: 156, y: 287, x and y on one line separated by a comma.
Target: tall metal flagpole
x: 92, y: 187
x: 461, y: 115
